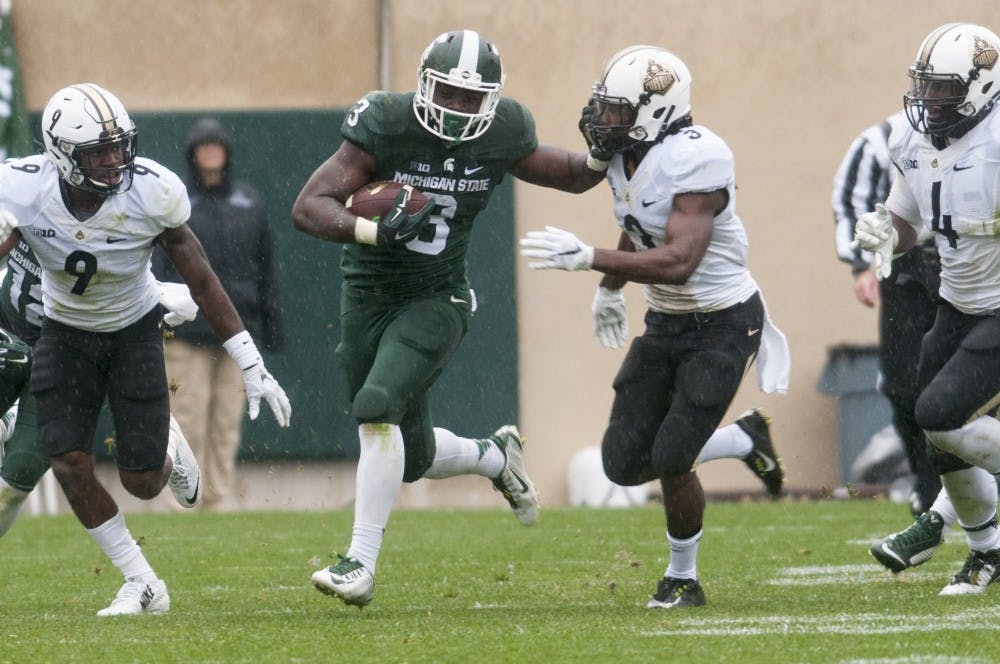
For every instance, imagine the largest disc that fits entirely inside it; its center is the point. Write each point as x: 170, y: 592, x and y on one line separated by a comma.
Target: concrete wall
x: 788, y: 83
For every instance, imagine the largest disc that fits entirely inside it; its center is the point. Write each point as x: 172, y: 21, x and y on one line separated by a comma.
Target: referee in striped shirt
x: 909, y: 296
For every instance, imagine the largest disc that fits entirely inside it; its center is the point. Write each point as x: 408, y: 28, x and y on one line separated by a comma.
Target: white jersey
x: 96, y: 273
x: 694, y: 160
x: 955, y: 192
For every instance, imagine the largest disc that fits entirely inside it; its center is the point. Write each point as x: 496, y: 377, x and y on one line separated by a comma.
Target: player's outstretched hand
x: 557, y: 249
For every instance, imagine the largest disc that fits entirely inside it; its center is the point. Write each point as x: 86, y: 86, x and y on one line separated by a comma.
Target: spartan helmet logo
x: 658, y: 78
x: 449, y: 165
x: 984, y: 54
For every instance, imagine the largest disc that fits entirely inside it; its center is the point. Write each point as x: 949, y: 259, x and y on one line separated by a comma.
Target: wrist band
x: 365, y: 231
x: 595, y: 164
x: 243, y: 350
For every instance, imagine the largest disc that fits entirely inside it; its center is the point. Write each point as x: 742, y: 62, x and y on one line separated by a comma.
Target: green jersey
x: 21, y: 293
x: 459, y: 179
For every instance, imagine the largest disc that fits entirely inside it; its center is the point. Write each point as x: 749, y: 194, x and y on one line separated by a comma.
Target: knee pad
x: 624, y: 468
x: 23, y: 468
x: 933, y: 414
x: 371, y: 404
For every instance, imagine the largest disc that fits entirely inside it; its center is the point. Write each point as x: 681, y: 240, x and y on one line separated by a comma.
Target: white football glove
x: 8, y: 222
x: 177, y: 300
x: 874, y: 232
x: 257, y: 381
x: 610, y: 322
x: 558, y: 249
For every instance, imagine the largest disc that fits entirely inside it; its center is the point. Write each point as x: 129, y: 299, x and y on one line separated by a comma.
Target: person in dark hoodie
x: 207, y: 395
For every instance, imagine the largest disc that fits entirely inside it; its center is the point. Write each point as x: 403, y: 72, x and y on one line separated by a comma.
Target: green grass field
x: 786, y: 582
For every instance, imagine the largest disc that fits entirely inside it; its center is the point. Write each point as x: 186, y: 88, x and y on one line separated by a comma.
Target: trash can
x: 590, y: 487
x: 851, y: 375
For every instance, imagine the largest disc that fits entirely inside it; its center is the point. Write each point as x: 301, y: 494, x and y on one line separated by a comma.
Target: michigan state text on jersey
x: 459, y: 179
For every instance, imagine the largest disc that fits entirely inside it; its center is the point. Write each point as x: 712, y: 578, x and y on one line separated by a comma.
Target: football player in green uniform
x: 23, y: 462
x: 406, y: 301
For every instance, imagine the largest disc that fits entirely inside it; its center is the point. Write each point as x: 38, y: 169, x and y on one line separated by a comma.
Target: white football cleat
x: 185, y: 478
x: 980, y: 570
x: 349, y: 580
x: 513, y: 482
x: 138, y: 597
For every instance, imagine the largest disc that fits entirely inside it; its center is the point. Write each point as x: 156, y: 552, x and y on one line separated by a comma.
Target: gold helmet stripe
x: 105, y: 115
x: 931, y: 41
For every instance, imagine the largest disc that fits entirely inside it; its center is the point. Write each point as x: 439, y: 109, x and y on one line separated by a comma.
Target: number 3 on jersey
x: 446, y: 207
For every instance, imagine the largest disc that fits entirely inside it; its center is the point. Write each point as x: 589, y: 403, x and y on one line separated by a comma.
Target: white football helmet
x: 82, y: 117
x: 954, y: 82
x: 644, y: 90
x: 463, y: 59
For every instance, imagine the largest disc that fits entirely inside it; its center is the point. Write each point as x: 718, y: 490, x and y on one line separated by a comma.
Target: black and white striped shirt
x: 863, y: 179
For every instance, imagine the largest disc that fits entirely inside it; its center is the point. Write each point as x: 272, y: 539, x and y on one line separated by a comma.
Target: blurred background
x: 787, y: 83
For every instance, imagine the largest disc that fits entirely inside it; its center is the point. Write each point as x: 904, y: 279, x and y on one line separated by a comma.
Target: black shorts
x: 674, y: 388
x: 74, y: 370
x: 959, y: 374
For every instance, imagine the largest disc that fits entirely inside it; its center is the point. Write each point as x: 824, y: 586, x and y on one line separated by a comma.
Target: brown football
x: 376, y: 199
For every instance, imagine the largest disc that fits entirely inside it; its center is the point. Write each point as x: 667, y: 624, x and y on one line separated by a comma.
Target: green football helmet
x: 15, y: 368
x: 462, y: 59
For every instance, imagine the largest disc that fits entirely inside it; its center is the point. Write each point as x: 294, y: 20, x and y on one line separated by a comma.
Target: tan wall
x: 788, y: 83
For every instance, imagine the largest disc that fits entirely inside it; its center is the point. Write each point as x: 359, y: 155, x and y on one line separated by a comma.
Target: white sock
x: 728, y: 442
x: 116, y: 541
x: 464, y: 456
x: 683, y: 557
x: 978, y: 443
x: 973, y: 493
x: 380, y: 476
x: 366, y: 543
x: 943, y: 506
x: 11, y: 500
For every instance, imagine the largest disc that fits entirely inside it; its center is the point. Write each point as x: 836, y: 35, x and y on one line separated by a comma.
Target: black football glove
x: 398, y: 227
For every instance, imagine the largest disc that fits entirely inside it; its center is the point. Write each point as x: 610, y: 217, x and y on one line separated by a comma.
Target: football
x: 375, y: 199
